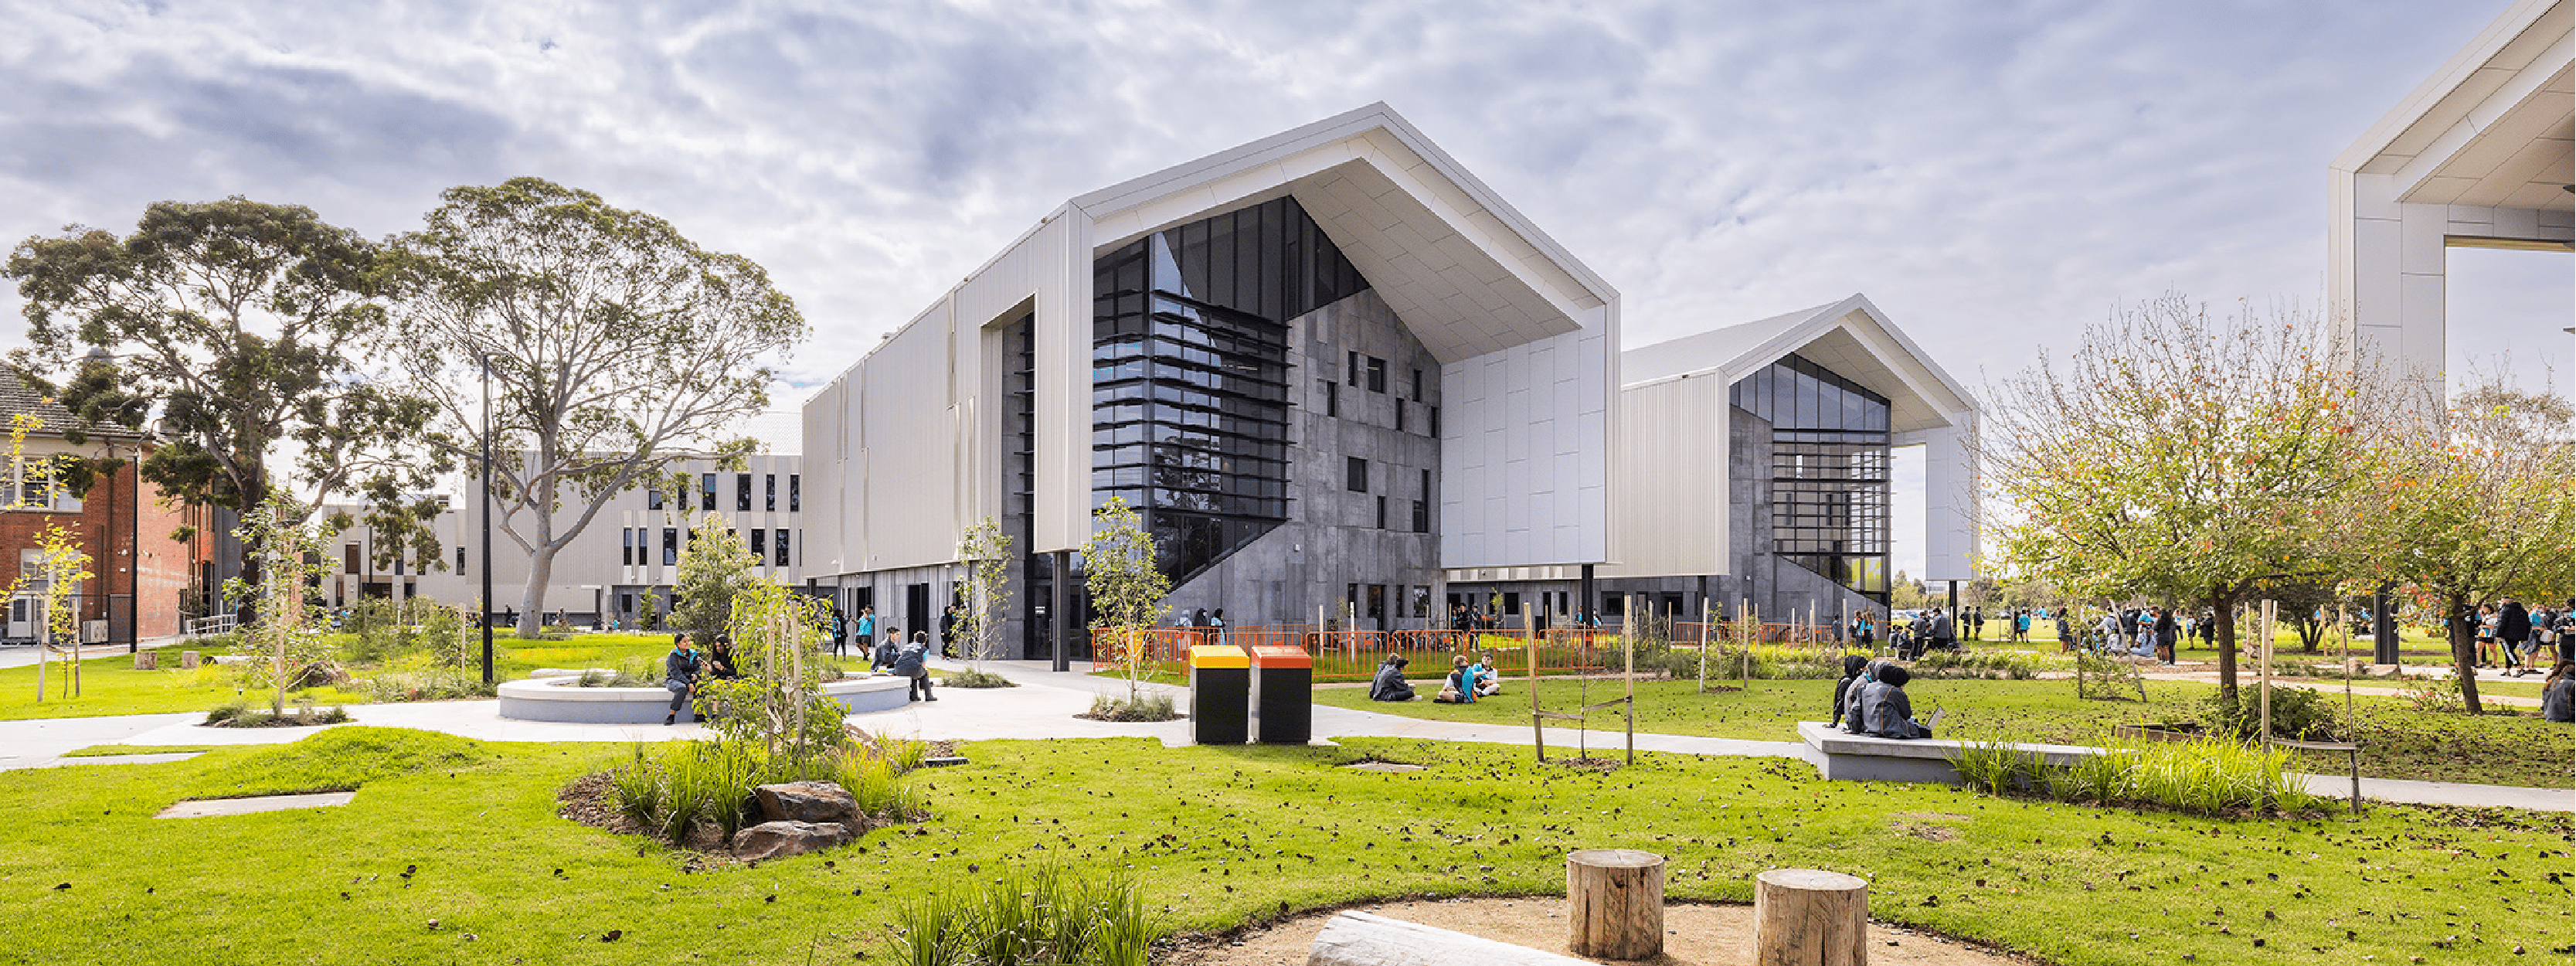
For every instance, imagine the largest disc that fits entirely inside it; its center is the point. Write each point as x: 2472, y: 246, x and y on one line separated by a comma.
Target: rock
x: 147, y: 660
x: 807, y: 802
x: 188, y: 660
x: 778, y: 840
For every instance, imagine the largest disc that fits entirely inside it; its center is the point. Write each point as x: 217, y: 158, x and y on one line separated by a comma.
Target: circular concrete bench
x: 564, y: 699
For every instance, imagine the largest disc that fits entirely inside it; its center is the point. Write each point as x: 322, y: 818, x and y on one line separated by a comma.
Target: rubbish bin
x: 1219, y: 679
x: 1283, y: 684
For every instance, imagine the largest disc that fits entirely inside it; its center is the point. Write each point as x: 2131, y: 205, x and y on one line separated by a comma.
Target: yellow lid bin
x: 1219, y: 655
x: 1220, y: 694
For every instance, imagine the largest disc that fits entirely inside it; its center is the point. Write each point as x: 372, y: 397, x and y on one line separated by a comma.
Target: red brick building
x: 143, y: 583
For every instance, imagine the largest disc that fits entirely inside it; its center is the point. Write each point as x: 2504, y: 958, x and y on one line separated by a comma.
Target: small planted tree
x: 779, y: 702
x: 2179, y: 457
x: 290, y: 627
x: 1126, y: 589
x: 2476, y: 507
x: 714, y: 568
x: 987, y: 553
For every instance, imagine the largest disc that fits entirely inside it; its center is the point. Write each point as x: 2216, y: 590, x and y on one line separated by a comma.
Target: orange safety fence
x: 1354, y: 655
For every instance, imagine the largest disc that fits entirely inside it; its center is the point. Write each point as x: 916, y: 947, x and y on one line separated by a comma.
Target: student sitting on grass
x: 1390, y: 684
x: 2558, y: 694
x: 1890, y: 712
x: 1460, y: 687
x: 1489, y: 682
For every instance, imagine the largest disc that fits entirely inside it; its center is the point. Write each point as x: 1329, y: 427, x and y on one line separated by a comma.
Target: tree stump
x: 1614, y: 903
x: 147, y: 660
x: 1807, y: 917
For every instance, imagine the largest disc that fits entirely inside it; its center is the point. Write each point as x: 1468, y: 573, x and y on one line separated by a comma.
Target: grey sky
x: 1994, y: 175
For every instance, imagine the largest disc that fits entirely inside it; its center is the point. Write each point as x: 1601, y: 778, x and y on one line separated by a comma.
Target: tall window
x: 460, y: 561
x: 780, y: 545
x: 670, y: 546
x: 1829, y: 470
x: 742, y: 493
x: 1190, y: 374
x: 795, y: 494
x: 1381, y: 513
x: 707, y: 491
x: 626, y: 547
x: 1355, y: 474
x: 1417, y: 385
x: 653, y: 498
x: 759, y: 544
x: 769, y: 493
x: 1377, y: 374
x: 1422, y: 507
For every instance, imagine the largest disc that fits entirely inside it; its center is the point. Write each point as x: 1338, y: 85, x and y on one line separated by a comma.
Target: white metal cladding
x: 1501, y: 304
x: 1855, y: 340
x: 2476, y: 156
x: 1673, y: 449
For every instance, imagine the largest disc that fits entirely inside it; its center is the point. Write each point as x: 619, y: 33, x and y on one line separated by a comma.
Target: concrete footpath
x: 1042, y: 707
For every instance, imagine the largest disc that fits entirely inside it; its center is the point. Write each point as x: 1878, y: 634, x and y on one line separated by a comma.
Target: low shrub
x: 2297, y: 713
x: 1151, y: 707
x: 671, y: 789
x: 1049, y: 915
x: 976, y: 679
x: 1986, y: 665
x: 437, y: 682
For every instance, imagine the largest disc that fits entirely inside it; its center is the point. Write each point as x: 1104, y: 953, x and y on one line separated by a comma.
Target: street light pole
x: 486, y: 359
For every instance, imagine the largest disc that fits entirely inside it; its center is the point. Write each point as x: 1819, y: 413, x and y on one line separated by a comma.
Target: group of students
x: 2519, y: 635
x: 1870, y: 700
x: 1466, y: 681
x: 684, y: 669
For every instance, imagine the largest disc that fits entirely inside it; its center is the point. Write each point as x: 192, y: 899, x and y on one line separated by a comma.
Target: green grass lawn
x: 110, y: 685
x: 466, y: 834
x: 2399, y: 742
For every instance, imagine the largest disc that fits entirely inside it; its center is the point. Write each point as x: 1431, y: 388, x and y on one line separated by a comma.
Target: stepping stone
x: 1382, y: 766
x: 249, y: 806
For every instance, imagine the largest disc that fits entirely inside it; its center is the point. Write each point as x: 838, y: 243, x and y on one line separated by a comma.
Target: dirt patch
x: 1930, y: 826
x: 1699, y: 935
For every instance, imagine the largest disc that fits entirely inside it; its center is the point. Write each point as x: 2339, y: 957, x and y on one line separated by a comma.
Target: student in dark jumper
x: 1853, y: 665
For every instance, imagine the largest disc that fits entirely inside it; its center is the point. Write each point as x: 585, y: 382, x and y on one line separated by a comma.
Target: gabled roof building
x: 1336, y: 374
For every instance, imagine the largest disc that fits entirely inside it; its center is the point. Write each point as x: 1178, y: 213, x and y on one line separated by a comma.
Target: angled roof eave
x: 1194, y: 174
x: 1922, y: 377
x: 2454, y: 72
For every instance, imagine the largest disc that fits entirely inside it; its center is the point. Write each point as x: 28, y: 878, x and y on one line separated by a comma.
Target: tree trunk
x: 1807, y: 917
x: 1615, y: 903
x: 532, y: 601
x: 2223, y: 610
x: 2464, y: 651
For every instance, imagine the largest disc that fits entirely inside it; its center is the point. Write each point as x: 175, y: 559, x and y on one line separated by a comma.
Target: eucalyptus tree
x: 247, y: 327
x: 616, y: 348
x: 2182, y: 457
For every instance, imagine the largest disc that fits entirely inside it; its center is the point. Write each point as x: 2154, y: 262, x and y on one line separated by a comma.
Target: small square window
x: 1355, y: 474
x: 653, y: 498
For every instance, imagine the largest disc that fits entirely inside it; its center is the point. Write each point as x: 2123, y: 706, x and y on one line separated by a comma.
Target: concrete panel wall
x: 1526, y: 435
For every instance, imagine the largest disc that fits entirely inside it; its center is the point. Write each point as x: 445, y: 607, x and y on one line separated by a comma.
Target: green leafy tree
x: 2177, y: 457
x: 715, y: 567
x: 1125, y: 587
x: 246, y: 325
x: 2476, y: 507
x: 618, y: 349
x: 987, y: 553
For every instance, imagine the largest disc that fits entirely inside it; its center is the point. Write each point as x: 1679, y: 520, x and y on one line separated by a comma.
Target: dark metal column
x: 2383, y: 628
x: 1059, y: 624
x: 487, y: 521
x: 1590, y: 607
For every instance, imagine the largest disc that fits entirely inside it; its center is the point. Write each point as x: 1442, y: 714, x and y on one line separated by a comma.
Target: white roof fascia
x: 2522, y: 16
x: 1922, y: 377
x: 1355, y: 124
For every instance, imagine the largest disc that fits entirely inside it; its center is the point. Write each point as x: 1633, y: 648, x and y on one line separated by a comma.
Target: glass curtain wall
x: 1829, y: 470
x: 1190, y: 401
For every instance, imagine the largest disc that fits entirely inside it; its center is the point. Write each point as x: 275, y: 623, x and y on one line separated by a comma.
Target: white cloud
x: 1995, y: 175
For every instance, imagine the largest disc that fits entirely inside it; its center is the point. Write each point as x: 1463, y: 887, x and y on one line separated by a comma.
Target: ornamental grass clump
x: 2209, y: 776
x: 673, y: 789
x: 1026, y: 917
